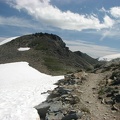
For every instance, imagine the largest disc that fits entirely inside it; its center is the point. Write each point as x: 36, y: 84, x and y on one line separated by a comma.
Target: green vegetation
x: 48, y: 54
x: 101, y: 91
x: 53, y: 64
x: 104, y: 90
x: 41, y: 47
x: 38, y: 45
x: 109, y: 89
x: 85, y: 109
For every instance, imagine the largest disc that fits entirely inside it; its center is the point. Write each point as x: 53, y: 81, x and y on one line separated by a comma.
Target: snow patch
x: 23, y: 48
x: 8, y: 40
x: 109, y: 57
x: 20, y: 90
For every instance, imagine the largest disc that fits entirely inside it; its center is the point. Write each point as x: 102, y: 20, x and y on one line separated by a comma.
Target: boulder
x: 54, y: 116
x: 73, y: 115
x: 56, y: 106
x: 80, y: 75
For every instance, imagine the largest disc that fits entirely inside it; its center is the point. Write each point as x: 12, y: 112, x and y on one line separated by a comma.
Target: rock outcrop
x: 67, y: 101
x: 109, y: 90
x: 64, y: 102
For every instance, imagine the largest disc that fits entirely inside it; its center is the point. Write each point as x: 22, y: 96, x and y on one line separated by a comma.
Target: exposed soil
x: 89, y: 98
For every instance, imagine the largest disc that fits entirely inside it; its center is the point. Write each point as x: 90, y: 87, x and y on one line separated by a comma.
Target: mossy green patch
x: 53, y: 64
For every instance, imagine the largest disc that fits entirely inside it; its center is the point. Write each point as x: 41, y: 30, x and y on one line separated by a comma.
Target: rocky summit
x: 45, y: 52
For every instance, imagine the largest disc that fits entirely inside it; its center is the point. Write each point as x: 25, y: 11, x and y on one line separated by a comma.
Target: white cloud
x: 90, y: 48
x: 111, y: 33
x: 114, y: 30
x: 105, y: 34
x: 2, y: 38
x: 103, y: 10
x: 15, y: 21
x: 108, y: 21
x: 115, y: 12
x: 43, y: 11
x: 69, y: 1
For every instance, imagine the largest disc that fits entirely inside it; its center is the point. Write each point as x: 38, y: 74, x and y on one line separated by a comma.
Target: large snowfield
x: 20, y: 90
x: 109, y: 57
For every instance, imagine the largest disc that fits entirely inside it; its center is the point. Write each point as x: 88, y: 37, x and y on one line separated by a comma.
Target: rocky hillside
x: 85, y: 96
x: 64, y: 102
x: 47, y: 53
x: 86, y: 57
x: 109, y: 90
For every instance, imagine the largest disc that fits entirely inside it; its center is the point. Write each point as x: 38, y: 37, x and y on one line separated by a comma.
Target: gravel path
x: 90, y: 99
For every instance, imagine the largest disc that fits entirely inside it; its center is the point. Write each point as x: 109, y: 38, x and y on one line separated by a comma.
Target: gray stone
x: 70, y: 117
x: 56, y: 106
x: 54, y: 116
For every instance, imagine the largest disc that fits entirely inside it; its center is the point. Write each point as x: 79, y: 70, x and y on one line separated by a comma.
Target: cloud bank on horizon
x: 102, y: 24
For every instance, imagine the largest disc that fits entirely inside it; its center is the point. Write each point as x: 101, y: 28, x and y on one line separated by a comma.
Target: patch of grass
x: 38, y: 45
x: 85, y: 109
x: 69, y: 72
x: 101, y: 91
x: 53, y: 64
x: 109, y: 89
x: 41, y: 47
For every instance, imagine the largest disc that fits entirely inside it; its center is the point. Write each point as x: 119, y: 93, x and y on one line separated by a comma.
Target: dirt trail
x: 90, y: 99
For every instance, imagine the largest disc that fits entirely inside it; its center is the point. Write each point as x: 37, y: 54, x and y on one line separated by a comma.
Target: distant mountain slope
x: 87, y: 57
x: 109, y: 57
x: 45, y: 52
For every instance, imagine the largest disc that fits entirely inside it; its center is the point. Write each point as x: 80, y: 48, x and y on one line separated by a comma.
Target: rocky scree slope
x: 85, y: 96
x: 110, y: 85
x: 48, y: 54
x: 64, y: 102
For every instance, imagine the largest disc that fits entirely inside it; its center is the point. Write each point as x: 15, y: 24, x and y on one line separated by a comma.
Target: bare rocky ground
x: 76, y: 98
x: 98, y: 110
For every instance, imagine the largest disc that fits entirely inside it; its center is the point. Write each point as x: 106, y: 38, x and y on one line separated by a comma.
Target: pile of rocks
x: 63, y: 103
x: 110, y: 92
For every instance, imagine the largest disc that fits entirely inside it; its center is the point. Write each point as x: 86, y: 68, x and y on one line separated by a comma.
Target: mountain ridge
x: 48, y: 53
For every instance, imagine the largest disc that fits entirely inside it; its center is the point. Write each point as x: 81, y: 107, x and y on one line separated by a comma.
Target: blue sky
x: 91, y: 26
